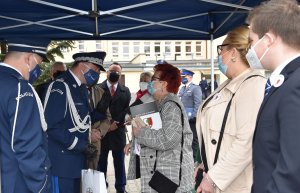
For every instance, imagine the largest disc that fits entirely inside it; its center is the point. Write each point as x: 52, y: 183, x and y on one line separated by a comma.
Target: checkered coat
x: 167, y: 141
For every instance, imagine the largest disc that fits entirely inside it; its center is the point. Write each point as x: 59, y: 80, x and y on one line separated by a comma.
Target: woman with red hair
x: 167, y: 150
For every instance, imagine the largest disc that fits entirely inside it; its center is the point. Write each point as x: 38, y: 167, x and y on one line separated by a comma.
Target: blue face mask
x: 34, y: 74
x: 150, y: 88
x: 91, y: 77
x: 184, y: 80
x: 222, y: 67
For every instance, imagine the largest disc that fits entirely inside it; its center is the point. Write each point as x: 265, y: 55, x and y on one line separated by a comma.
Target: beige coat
x: 103, y: 125
x: 233, y: 171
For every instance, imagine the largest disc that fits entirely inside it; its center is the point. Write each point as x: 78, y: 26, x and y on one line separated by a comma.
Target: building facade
x: 137, y: 56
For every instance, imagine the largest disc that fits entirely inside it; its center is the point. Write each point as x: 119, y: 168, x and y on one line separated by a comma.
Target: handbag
x: 160, y: 182
x: 92, y: 181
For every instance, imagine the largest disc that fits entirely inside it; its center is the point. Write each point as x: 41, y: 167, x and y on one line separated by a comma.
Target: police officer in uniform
x: 191, y: 98
x: 23, y: 142
x: 67, y: 113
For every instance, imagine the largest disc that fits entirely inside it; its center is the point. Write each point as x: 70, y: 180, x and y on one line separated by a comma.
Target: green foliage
x: 2, y: 57
x: 55, y: 48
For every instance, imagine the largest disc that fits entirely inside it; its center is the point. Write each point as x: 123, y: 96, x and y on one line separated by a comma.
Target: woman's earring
x: 233, y: 59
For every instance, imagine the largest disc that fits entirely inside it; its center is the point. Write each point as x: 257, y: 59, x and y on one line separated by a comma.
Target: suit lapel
x: 117, y: 93
x: 286, y: 72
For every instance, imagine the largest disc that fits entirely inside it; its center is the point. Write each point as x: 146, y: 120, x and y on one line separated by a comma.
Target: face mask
x: 143, y: 86
x: 151, y: 88
x: 34, y: 73
x: 113, y: 77
x: 222, y: 67
x: 184, y: 80
x: 252, y: 57
x: 91, y: 77
x: 57, y: 74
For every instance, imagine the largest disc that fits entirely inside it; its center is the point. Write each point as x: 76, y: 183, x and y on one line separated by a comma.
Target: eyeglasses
x: 155, y: 78
x: 220, y: 48
x: 114, y: 71
x: 94, y: 68
x: 36, y: 61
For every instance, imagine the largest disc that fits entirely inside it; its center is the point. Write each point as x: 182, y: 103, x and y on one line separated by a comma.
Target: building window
x: 81, y: 45
x: 125, y: 49
x: 136, y: 48
x: 115, y: 49
x: 147, y: 48
x: 188, y: 48
x: 198, y: 48
x: 157, y: 48
x: 167, y: 48
x: 98, y: 45
x: 178, y: 48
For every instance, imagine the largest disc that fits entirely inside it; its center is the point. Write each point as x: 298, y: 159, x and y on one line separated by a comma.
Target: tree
x: 54, y: 49
x: 3, y: 48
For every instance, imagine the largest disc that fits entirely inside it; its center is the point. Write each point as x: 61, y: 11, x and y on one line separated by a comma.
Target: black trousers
x: 195, y: 143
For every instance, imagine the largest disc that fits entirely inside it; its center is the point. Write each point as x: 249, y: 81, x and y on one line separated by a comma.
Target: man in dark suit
x: 275, y: 36
x: 115, y: 138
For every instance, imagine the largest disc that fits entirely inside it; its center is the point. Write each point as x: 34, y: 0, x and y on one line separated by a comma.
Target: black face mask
x: 113, y: 77
x: 57, y: 74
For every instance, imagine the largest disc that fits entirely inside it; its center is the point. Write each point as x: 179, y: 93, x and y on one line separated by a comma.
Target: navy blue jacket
x: 23, y: 150
x: 66, y: 147
x: 276, y: 155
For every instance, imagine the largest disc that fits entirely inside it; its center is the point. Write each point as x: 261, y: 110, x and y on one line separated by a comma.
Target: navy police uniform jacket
x: 66, y: 146
x: 23, y: 143
x: 191, y: 98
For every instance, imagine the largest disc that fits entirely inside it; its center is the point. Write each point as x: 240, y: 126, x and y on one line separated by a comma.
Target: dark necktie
x: 112, y: 90
x: 91, y: 101
x: 268, y: 87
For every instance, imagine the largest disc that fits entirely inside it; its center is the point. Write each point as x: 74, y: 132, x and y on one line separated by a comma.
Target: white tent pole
x: 212, y: 60
x: 227, y: 18
x: 41, y: 24
x: 228, y: 4
x: 31, y: 23
x: 161, y: 23
x: 108, y: 12
x: 61, y: 7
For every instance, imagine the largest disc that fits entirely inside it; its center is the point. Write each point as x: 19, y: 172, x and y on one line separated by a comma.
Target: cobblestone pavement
x: 132, y: 186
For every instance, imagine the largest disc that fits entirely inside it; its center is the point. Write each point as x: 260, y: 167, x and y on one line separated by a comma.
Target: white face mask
x: 143, y: 86
x: 252, y: 57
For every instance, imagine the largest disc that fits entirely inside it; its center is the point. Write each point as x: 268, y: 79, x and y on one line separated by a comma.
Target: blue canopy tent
x: 122, y: 19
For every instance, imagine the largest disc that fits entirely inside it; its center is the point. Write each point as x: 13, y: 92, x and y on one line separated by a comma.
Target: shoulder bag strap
x: 182, y: 141
x: 203, y: 153
x: 224, y: 122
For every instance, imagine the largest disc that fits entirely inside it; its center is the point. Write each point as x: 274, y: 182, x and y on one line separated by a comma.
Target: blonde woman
x: 229, y: 170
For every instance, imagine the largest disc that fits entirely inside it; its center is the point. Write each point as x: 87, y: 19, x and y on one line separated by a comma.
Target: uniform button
x: 151, y: 156
x: 213, y: 141
x: 46, y: 168
x: 62, y: 151
x: 151, y: 172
